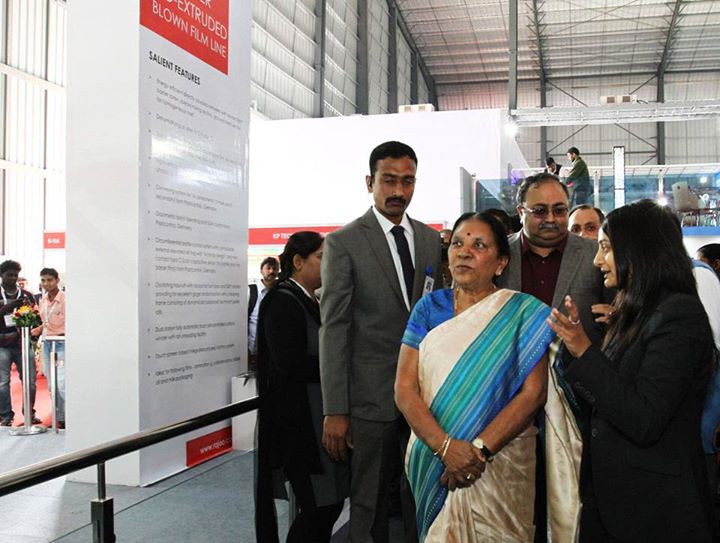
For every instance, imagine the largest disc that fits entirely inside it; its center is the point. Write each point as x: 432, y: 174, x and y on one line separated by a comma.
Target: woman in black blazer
x: 290, y: 413
x: 642, y: 473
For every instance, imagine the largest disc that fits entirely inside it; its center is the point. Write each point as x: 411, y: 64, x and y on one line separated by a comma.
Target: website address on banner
x: 219, y: 444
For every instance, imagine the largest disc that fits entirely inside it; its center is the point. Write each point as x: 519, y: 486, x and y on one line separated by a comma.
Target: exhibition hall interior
x: 235, y: 233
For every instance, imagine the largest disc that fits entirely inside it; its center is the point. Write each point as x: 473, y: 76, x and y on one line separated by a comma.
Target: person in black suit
x: 551, y: 166
x: 643, y: 474
x: 290, y: 415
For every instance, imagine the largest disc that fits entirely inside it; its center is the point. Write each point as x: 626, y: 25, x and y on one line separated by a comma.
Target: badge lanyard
x: 48, y: 311
x: 5, y: 301
x: 8, y: 318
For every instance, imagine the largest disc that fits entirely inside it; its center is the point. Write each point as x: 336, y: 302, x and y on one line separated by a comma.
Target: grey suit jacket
x: 578, y: 277
x: 363, y: 316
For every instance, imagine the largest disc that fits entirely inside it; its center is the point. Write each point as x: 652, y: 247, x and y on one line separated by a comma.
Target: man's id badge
x: 9, y: 322
x: 429, y: 281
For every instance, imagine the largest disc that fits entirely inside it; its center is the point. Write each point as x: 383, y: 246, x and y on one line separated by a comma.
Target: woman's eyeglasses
x: 542, y: 211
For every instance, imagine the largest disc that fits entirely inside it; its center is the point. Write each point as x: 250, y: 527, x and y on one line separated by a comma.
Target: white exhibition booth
x: 312, y: 171
x: 158, y: 115
x: 159, y: 204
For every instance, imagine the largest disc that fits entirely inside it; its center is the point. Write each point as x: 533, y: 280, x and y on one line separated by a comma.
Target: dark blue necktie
x: 403, y: 248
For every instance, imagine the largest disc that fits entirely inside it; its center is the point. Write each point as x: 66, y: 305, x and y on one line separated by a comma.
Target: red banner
x: 200, y: 27
x: 54, y: 240
x: 278, y: 235
x: 209, y: 446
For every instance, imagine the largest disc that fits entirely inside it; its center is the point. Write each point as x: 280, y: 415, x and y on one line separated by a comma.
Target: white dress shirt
x: 311, y: 296
x: 253, y: 319
x: 387, y: 226
x: 709, y: 293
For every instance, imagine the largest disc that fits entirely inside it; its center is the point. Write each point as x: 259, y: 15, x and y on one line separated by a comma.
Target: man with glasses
x: 544, y: 260
x: 549, y: 264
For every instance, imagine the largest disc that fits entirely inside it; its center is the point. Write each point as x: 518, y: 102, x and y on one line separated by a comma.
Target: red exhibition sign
x: 54, y: 240
x: 200, y: 27
x: 209, y: 446
x: 278, y: 235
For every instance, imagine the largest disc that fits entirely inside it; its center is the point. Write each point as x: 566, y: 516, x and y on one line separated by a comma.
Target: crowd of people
x: 556, y: 383
x: 46, y: 338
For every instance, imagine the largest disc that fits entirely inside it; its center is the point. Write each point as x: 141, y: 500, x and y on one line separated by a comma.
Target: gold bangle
x: 442, y: 445
x: 445, y: 450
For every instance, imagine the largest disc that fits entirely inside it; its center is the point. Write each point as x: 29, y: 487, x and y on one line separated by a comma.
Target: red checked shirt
x: 539, y: 274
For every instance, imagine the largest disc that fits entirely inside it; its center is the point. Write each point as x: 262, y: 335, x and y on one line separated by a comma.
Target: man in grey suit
x: 550, y: 264
x: 545, y: 260
x: 373, y: 271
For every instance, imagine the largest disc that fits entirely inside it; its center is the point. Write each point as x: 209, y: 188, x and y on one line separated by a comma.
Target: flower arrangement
x: 27, y: 316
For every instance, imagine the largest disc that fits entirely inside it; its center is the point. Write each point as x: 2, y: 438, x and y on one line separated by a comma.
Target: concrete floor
x: 178, y: 506
x: 212, y: 502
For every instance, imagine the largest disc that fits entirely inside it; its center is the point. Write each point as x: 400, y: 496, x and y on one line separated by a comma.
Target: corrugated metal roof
x: 466, y: 41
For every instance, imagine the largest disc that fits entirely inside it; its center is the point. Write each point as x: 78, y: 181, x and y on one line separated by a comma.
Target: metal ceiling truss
x: 476, y: 81
x: 564, y: 38
x: 625, y: 114
x: 667, y: 52
x: 536, y: 29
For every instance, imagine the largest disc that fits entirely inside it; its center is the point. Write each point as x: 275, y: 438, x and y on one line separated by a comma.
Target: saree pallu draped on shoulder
x: 470, y: 368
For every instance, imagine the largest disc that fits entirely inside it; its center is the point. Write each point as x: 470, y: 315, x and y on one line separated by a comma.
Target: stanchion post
x: 27, y: 429
x: 101, y: 512
x: 53, y: 386
x: 25, y: 349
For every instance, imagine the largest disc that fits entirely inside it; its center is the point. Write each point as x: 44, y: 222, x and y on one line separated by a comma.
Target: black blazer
x: 288, y: 325
x: 647, y: 466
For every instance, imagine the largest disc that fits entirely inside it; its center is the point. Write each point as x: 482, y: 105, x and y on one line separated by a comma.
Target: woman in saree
x: 472, y: 374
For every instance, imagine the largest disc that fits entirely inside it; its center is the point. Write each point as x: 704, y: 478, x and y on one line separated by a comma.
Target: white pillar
x: 158, y: 107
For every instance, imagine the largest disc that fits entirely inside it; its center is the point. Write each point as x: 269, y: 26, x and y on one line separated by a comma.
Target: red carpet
x: 42, y: 399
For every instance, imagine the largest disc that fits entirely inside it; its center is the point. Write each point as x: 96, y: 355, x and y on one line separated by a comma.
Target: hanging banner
x: 54, y: 240
x: 194, y: 114
x: 198, y: 27
x: 278, y: 235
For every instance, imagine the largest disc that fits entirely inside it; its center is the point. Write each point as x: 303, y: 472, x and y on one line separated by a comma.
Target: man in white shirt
x: 373, y: 271
x: 269, y: 270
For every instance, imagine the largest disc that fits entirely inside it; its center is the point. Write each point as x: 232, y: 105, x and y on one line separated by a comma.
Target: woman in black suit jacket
x: 290, y: 413
x: 642, y: 473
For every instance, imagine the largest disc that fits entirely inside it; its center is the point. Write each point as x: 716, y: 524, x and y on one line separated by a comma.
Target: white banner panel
x: 194, y: 114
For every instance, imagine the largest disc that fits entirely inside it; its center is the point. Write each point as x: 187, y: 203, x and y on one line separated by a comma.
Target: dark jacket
x: 646, y: 464
x: 579, y: 177
x: 288, y: 325
x: 364, y: 315
x: 10, y: 336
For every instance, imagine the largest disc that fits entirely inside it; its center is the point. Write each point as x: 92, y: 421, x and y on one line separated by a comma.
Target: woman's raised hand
x: 464, y: 464
x: 604, y: 312
x: 570, y: 328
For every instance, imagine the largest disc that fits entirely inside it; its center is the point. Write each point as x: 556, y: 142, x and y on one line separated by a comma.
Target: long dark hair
x: 302, y: 243
x: 650, y: 258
